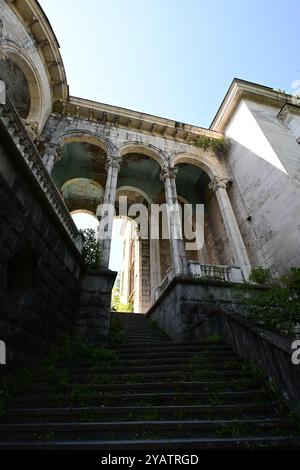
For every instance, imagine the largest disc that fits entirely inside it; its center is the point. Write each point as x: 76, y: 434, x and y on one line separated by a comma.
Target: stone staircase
x: 156, y: 395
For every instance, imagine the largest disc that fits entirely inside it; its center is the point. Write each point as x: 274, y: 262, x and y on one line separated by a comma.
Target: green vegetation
x: 260, y: 275
x: 116, y: 304
x: 91, y: 250
x: 79, y: 349
x: 117, y: 335
x: 214, y: 339
x: 278, y: 308
x: 218, y: 146
x: 48, y: 371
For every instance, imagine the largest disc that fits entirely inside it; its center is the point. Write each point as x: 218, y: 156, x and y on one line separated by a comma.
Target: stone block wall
x: 39, y: 264
x: 185, y: 302
x: 95, y: 304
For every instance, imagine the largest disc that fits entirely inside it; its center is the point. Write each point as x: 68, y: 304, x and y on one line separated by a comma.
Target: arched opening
x: 23, y: 84
x: 80, y: 159
x: 123, y: 260
x: 17, y: 86
x: 80, y: 175
x: 85, y: 219
x: 192, y: 184
x: 139, y: 182
x: 82, y: 193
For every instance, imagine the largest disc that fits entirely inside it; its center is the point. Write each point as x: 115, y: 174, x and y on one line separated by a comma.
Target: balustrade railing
x: 10, y: 119
x: 203, y: 271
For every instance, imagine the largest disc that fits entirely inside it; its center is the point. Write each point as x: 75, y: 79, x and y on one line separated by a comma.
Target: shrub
x: 278, y: 308
x: 260, y: 275
x: 91, y: 249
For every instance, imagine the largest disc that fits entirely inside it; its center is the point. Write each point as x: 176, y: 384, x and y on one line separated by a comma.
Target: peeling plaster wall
x: 265, y: 165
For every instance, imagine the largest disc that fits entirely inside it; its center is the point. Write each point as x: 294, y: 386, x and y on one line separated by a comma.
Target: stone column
x: 218, y: 185
x: 51, y: 156
x: 107, y: 210
x: 174, y: 220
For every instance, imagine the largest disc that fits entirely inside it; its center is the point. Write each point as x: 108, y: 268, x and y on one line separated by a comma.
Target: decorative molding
x: 114, y: 116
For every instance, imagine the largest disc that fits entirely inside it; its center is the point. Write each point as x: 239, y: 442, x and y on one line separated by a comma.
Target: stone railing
x: 216, y: 272
x: 9, y: 118
x: 166, y: 281
x: 272, y: 351
x: 204, y: 271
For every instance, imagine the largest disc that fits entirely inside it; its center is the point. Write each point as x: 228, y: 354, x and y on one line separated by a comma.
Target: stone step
x: 245, y: 443
x: 158, y: 368
x: 210, y: 361
x: 186, y: 359
x: 137, y: 429
x: 166, y: 354
x: 134, y: 413
x: 171, y: 346
x: 164, y: 358
x: 142, y: 376
x: 178, y: 387
x: 93, y: 397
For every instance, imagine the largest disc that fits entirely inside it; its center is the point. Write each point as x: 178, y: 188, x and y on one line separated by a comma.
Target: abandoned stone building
x: 60, y: 154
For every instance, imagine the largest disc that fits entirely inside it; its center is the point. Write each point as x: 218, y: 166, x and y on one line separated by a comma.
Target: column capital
x: 168, y: 172
x: 219, y: 183
x: 113, y: 161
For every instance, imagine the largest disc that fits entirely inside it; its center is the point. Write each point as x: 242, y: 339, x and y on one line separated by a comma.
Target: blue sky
x: 174, y: 58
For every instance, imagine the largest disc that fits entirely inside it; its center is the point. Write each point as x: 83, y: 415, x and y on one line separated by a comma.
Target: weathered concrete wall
x: 265, y: 165
x: 269, y: 350
x: 186, y: 301
x: 39, y: 264
x: 60, y: 128
x: 95, y: 304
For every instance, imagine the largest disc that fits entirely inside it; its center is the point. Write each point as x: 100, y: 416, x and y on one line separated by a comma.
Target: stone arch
x: 82, y: 194
x: 76, y: 180
x: 16, y: 55
x: 85, y: 136
x: 146, y: 149
x: 201, y: 162
x: 136, y: 190
x: 84, y: 211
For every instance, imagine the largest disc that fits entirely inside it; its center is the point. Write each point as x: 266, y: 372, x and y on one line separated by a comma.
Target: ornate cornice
x: 134, y: 121
x: 38, y: 27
